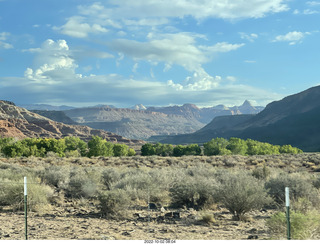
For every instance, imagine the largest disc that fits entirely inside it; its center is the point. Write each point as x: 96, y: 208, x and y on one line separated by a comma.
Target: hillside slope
x: 19, y: 122
x: 293, y: 120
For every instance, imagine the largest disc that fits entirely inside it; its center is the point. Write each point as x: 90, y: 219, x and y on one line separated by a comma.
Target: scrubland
x: 188, y: 197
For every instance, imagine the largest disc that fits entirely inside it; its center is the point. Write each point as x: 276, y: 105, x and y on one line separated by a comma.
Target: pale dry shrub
x: 240, y: 193
x: 143, y: 185
x: 193, y: 192
x: 114, y: 204
x: 39, y: 195
x: 207, y: 217
x: 57, y: 176
x: 261, y: 173
x: 299, y: 187
x: 110, y: 176
x: 82, y: 184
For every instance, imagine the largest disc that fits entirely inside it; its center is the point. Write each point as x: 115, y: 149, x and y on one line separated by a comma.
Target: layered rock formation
x: 19, y: 122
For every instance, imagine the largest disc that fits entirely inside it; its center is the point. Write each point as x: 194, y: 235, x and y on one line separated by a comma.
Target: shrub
x: 303, y: 226
x: 316, y: 182
x: 141, y: 186
x: 81, y: 184
x: 12, y: 194
x: 109, y: 177
x: 207, y: 218
x: 193, y: 192
x: 261, y: 173
x: 241, y: 193
x: 298, y: 186
x: 131, y: 152
x: 57, y: 176
x: 114, y: 204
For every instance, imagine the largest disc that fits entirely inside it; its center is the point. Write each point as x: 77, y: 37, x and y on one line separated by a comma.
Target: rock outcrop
x: 21, y: 123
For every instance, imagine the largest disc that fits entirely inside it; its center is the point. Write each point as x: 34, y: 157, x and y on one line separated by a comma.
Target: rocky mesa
x: 19, y: 122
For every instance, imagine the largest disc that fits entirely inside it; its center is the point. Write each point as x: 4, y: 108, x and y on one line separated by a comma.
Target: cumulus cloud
x: 112, y: 89
x: 293, y: 37
x: 180, y: 49
x: 3, y: 37
x: 199, y: 81
x: 53, y: 60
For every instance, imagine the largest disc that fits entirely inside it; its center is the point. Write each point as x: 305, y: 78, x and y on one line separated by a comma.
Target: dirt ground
x: 79, y: 225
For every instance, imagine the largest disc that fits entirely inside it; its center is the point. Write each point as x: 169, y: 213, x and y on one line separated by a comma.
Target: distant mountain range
x: 139, y: 122
x: 294, y: 120
x: 205, y: 115
x: 21, y: 123
x: 44, y: 107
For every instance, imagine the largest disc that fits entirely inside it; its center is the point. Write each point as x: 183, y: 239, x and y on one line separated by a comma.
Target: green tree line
x: 68, y: 146
x: 218, y: 146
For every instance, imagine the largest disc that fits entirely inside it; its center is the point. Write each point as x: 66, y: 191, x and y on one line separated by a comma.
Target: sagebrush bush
x: 109, y: 177
x: 39, y: 197
x: 140, y: 185
x: 304, y: 226
x: 12, y: 194
x: 57, y: 176
x: 316, y: 182
x: 114, y: 204
x: 81, y: 184
x: 262, y: 173
x: 298, y: 187
x: 240, y: 193
x: 207, y: 218
x: 193, y: 192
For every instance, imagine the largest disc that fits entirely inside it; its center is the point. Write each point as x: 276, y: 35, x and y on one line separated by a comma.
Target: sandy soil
x: 85, y: 226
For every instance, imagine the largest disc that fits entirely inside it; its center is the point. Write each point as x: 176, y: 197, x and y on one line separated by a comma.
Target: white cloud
x: 250, y: 61
x: 112, y: 89
x: 310, y: 11
x: 313, y: 3
x: 306, y: 12
x: 198, y: 9
x: 3, y: 37
x: 179, y: 49
x: 76, y: 27
x: 199, y: 81
x: 250, y: 37
x: 99, y: 17
x: 135, y: 67
x: 231, y: 78
x: 293, y: 37
x: 172, y: 49
x: 53, y: 61
x: 221, y: 47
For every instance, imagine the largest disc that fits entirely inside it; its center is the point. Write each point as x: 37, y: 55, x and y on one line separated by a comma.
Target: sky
x: 157, y: 52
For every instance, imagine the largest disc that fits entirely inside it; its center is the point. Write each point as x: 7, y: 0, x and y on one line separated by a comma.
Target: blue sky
x: 157, y: 52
